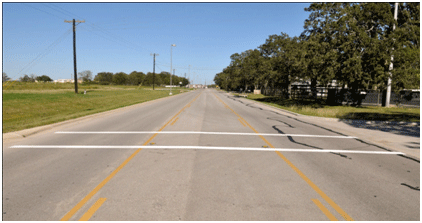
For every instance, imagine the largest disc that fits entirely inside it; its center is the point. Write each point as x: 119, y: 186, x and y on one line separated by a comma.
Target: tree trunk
x: 313, y: 88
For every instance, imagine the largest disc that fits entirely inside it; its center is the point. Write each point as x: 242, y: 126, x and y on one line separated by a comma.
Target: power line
x: 67, y: 12
x: 98, y: 28
x: 40, y: 56
x: 58, y: 10
x: 48, y: 49
x: 192, y: 68
x: 112, y: 40
x: 42, y: 10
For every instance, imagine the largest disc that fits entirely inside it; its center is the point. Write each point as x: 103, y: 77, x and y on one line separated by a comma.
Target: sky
x: 120, y: 37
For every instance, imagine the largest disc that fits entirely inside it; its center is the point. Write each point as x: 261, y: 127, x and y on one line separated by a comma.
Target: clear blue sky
x: 119, y: 37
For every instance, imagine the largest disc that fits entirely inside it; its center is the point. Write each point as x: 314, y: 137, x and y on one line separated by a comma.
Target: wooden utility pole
x: 74, y: 51
x: 153, y: 71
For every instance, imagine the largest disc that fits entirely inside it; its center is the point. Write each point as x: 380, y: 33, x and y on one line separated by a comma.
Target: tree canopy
x: 44, y: 78
x: 139, y: 78
x: 343, y: 44
x: 5, y: 77
x: 85, y: 75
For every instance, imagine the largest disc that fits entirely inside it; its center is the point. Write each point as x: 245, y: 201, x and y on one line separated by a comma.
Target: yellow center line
x: 241, y: 122
x: 303, y: 176
x: 108, y: 178
x: 174, y: 121
x: 324, y: 210
x: 92, y: 209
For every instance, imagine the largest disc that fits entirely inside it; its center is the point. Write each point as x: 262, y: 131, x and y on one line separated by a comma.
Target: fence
x: 334, y: 95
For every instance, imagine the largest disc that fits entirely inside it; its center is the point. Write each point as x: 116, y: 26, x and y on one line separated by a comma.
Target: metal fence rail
x: 334, y: 95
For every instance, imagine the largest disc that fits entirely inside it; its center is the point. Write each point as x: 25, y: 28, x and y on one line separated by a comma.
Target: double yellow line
x: 109, y: 177
x: 302, y: 175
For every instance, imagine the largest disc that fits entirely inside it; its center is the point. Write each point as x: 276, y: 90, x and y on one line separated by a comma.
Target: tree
x: 149, y: 79
x: 165, y: 77
x: 321, y: 39
x: 104, y: 78
x: 86, y: 76
x: 406, y: 43
x: 136, y: 78
x: 33, y: 77
x: 44, y: 78
x: 120, y: 78
x: 5, y: 77
x: 27, y: 78
x: 361, y: 43
x: 184, y: 81
x: 351, y: 43
x: 281, y: 64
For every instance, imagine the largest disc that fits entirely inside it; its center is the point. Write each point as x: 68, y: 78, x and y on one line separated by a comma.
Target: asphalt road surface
x: 204, y: 155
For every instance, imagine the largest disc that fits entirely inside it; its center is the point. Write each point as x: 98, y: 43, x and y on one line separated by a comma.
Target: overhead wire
x: 58, y: 9
x: 187, y: 68
x: 100, y: 29
x: 41, y: 54
x: 46, y: 51
x: 129, y: 44
x: 107, y: 35
x: 28, y: 5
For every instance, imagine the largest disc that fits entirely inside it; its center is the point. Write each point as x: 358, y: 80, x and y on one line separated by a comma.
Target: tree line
x: 120, y: 78
x: 348, y: 45
x: 139, y: 78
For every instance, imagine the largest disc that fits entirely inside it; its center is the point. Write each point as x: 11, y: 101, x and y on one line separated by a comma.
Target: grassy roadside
x: 30, y: 106
x: 320, y: 109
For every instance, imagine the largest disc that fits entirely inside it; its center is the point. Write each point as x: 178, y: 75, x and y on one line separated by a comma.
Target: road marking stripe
x: 174, y: 121
x: 272, y: 149
x: 324, y: 210
x: 241, y: 122
x: 92, y: 209
x: 205, y: 133
x: 108, y: 178
x: 304, y: 177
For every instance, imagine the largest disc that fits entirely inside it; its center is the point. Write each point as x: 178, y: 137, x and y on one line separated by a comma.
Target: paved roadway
x: 105, y: 168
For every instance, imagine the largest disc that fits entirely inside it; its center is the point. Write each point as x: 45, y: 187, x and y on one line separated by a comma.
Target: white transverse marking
x: 205, y: 148
x: 205, y: 133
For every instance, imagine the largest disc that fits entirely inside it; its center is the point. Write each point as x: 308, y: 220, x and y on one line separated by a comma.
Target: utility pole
x: 387, y: 98
x: 170, y: 80
x: 153, y: 72
x: 74, y: 51
x: 171, y: 63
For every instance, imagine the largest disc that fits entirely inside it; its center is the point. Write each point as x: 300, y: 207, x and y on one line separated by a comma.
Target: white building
x: 66, y: 81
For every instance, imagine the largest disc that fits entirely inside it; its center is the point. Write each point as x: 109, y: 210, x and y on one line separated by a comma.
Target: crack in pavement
x: 413, y: 188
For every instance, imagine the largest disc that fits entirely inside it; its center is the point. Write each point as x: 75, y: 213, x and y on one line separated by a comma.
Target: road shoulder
x: 391, y: 136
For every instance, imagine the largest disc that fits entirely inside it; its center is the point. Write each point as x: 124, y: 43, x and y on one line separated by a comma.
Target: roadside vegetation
x: 352, y: 46
x: 347, y: 48
x: 321, y: 109
x: 28, y: 104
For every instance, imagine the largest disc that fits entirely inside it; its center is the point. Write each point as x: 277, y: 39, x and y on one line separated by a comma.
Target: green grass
x: 26, y: 105
x: 320, y: 109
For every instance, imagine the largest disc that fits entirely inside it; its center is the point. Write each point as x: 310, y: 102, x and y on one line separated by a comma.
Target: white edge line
x: 204, y: 148
x: 205, y: 133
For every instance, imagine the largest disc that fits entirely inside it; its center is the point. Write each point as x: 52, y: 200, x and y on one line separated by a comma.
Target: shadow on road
x: 367, y: 120
x: 392, y: 127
